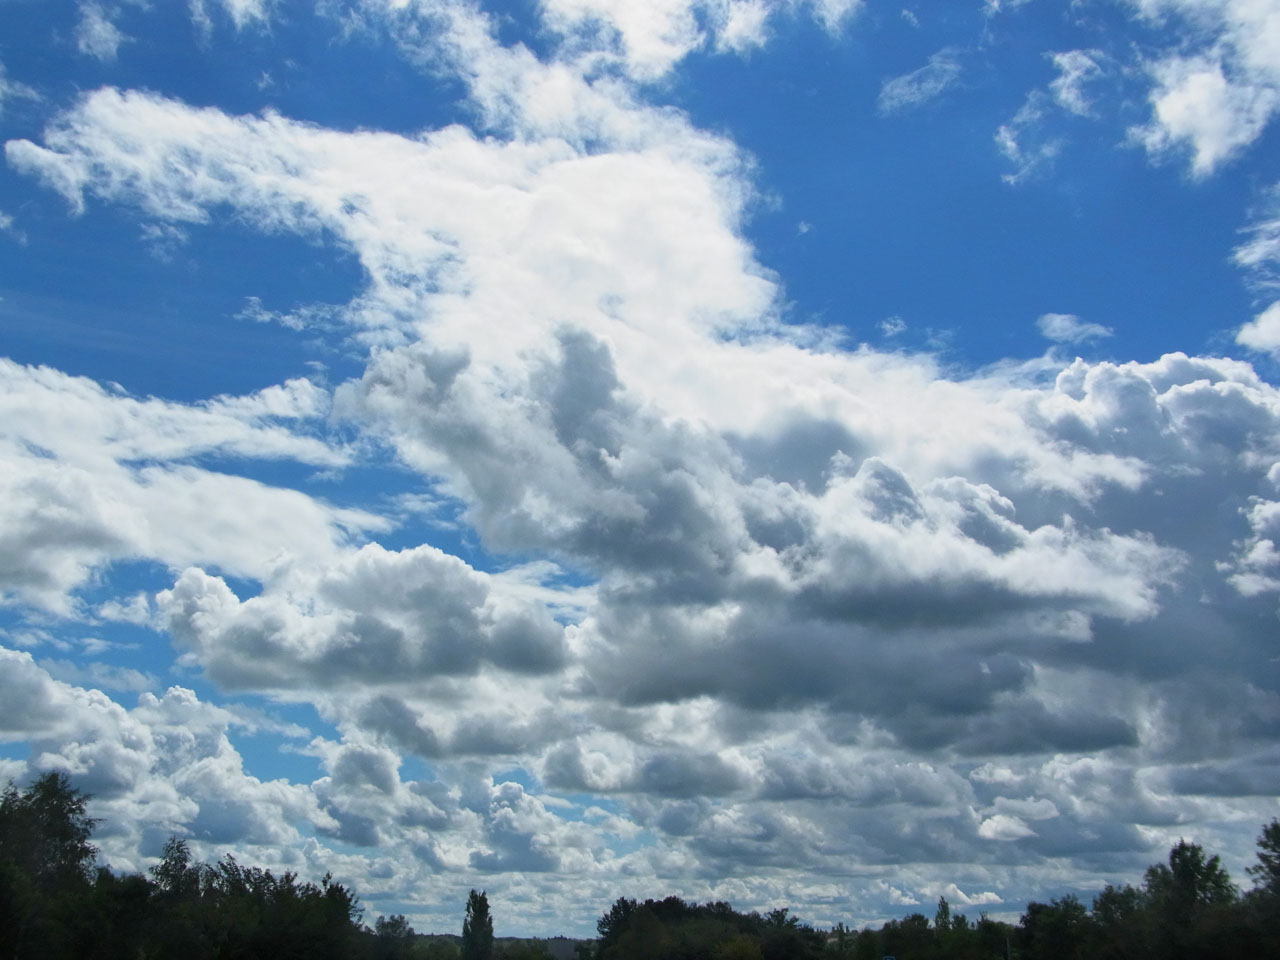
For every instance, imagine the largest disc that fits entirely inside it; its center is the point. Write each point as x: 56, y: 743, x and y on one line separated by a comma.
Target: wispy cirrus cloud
x: 914, y: 89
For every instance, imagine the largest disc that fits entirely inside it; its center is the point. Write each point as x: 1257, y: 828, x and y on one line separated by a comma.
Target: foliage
x: 45, y: 832
x: 56, y: 905
x: 477, y: 928
x: 1267, y: 871
x: 672, y: 929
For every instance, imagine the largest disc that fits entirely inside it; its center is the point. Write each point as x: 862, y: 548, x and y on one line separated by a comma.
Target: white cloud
x: 771, y: 546
x: 101, y: 675
x: 1217, y: 100
x: 242, y: 12
x: 1260, y: 257
x: 1004, y: 827
x: 994, y: 7
x: 1262, y: 333
x: 95, y: 475
x: 1196, y: 105
x: 8, y: 225
x: 1068, y: 328
x: 1075, y: 69
x: 920, y: 86
x: 648, y: 39
x: 96, y: 34
x: 1023, y: 141
x: 11, y: 89
x: 373, y: 617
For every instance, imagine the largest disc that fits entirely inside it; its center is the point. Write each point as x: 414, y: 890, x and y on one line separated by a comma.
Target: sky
x: 806, y: 453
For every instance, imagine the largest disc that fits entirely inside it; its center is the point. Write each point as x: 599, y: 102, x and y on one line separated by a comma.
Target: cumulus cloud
x: 791, y: 606
x: 96, y: 475
x: 372, y: 618
x: 1218, y: 99
x: 1262, y: 333
x: 164, y: 766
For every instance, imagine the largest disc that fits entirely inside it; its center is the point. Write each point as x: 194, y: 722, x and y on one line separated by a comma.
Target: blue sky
x: 808, y: 453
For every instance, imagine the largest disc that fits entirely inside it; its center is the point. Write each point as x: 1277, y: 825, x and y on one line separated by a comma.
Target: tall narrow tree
x: 477, y: 928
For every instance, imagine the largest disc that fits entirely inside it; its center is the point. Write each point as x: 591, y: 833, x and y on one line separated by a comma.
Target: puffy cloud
x: 372, y: 617
x: 1263, y: 331
x: 649, y: 39
x: 805, y: 607
x: 1218, y: 99
x: 164, y: 766
x: 96, y: 475
x: 1196, y: 104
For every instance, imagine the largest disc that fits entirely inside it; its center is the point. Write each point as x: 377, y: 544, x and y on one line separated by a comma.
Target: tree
x: 1185, y: 899
x: 477, y: 928
x: 1189, y: 882
x: 46, y: 866
x: 393, y: 937
x: 44, y: 833
x: 1056, y: 930
x: 1267, y: 873
x: 942, y: 918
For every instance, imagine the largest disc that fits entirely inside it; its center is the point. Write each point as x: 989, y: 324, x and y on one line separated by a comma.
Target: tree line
x: 56, y: 903
x: 1185, y: 909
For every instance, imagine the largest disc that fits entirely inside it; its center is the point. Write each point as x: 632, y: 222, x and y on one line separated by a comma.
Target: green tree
x: 46, y: 865
x: 393, y: 937
x: 1186, y: 898
x: 477, y: 928
x: 1189, y: 882
x: 1056, y: 930
x: 1267, y: 872
x: 45, y: 831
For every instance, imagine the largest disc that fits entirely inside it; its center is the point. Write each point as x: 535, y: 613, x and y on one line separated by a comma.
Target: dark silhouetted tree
x: 1266, y: 874
x: 477, y: 928
x: 45, y: 831
x: 1057, y: 930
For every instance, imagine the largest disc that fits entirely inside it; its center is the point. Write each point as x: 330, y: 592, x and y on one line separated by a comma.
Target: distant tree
x: 1190, y: 880
x: 1119, y: 923
x: 942, y: 917
x: 1185, y: 899
x: 522, y: 950
x: 477, y: 928
x: 392, y: 937
x: 1057, y: 930
x: 176, y: 875
x: 741, y: 947
x: 394, y: 927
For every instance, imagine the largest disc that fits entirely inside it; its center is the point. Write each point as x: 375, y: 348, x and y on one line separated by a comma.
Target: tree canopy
x: 57, y: 904
x: 477, y: 928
